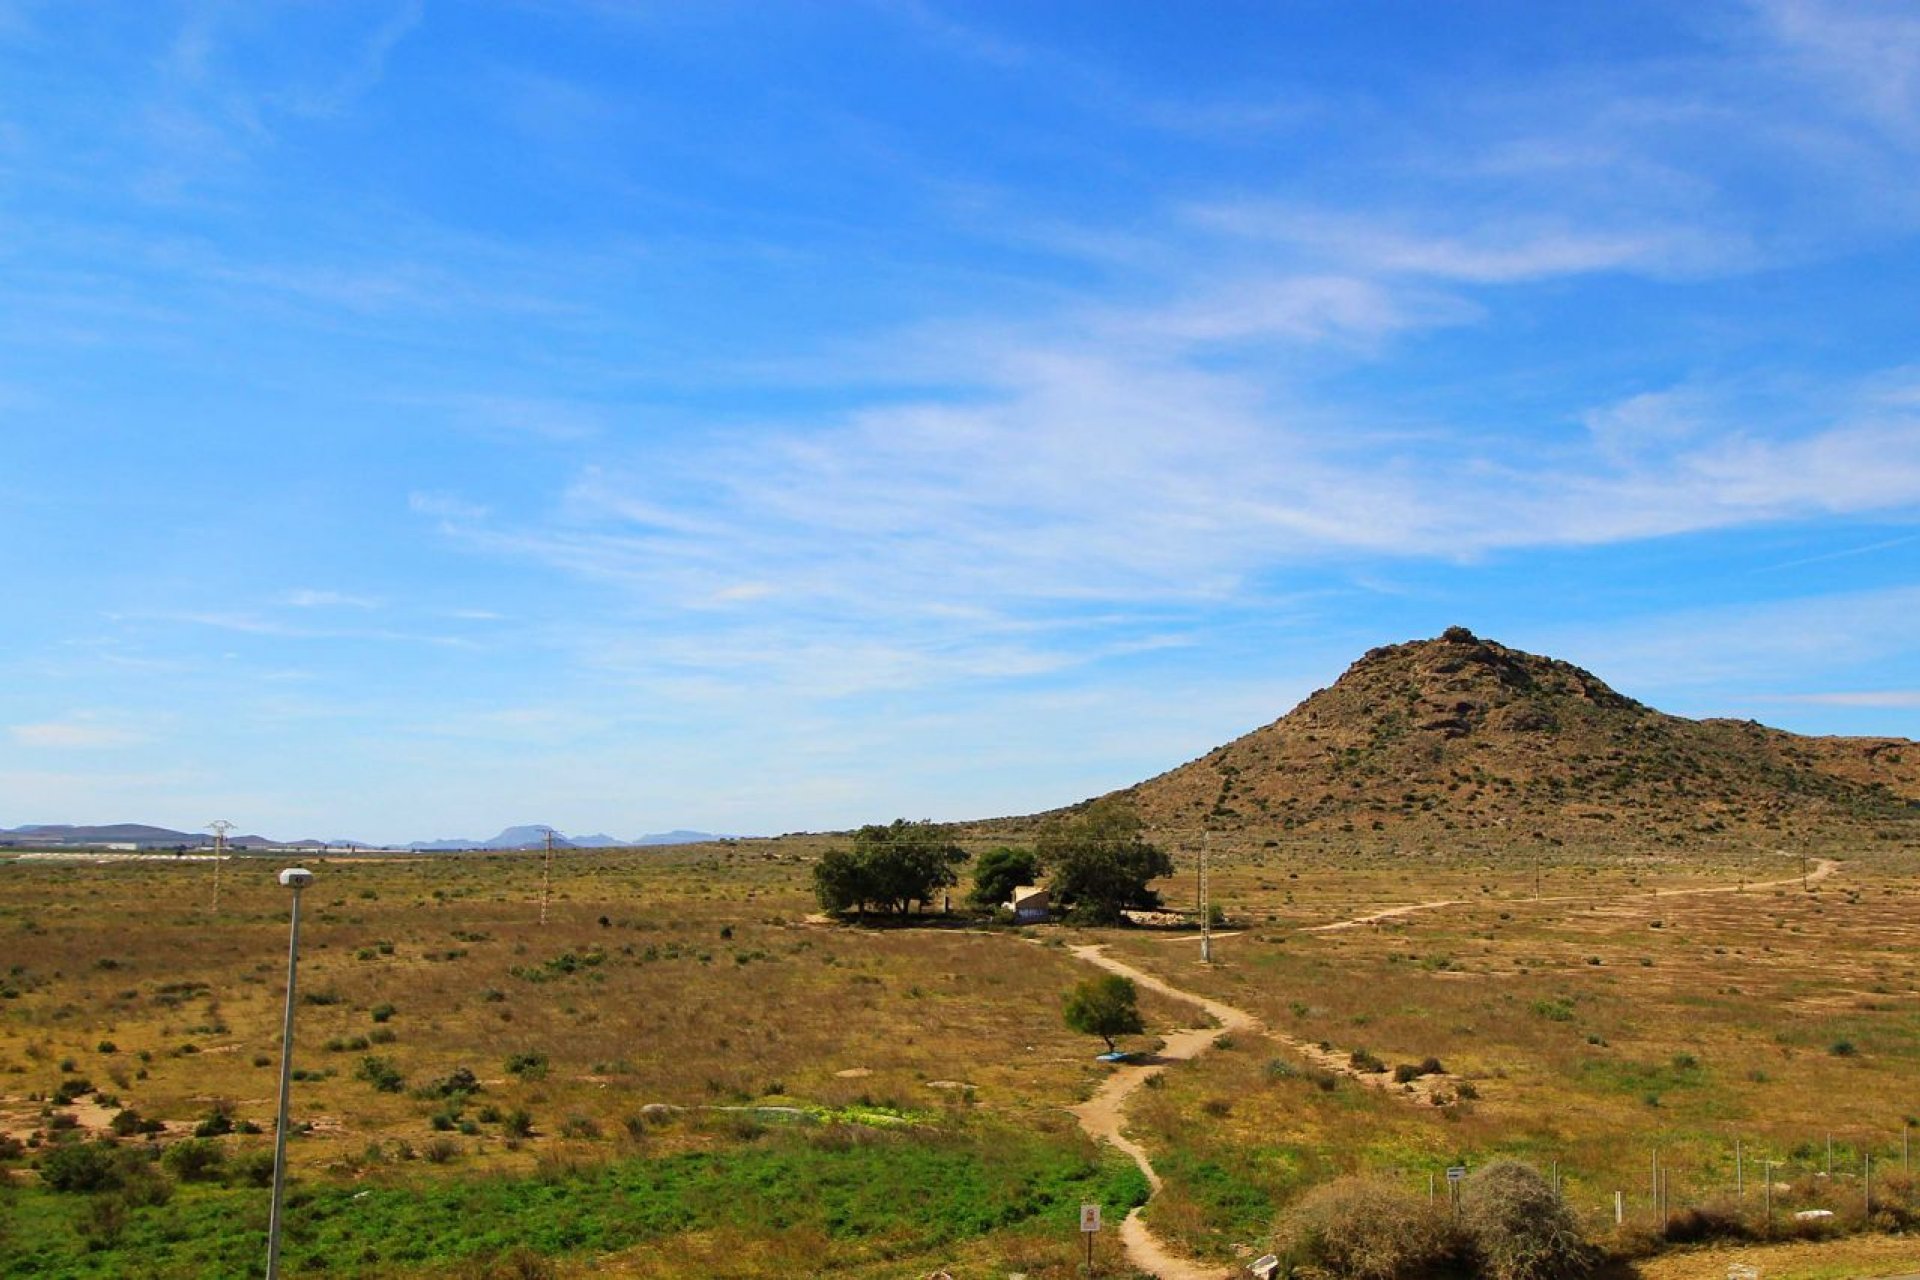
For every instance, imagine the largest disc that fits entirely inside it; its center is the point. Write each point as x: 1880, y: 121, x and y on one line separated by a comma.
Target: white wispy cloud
x: 1072, y: 478
x: 1898, y: 698
x: 1503, y: 251
x: 1745, y: 644
x: 1867, y: 54
x: 81, y: 731
x: 312, y: 598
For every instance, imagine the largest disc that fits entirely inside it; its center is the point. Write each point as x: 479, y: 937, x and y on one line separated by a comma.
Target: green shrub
x: 531, y: 1065
x: 218, y: 1122
x: 195, y: 1160
x: 253, y: 1169
x: 88, y: 1166
x: 71, y: 1091
x: 380, y: 1073
x: 458, y: 1083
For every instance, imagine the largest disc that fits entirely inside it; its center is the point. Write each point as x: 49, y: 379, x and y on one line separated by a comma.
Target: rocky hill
x: 1460, y: 733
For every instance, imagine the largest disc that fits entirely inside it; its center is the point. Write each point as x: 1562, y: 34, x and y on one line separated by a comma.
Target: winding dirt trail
x: 1103, y: 1116
x: 1823, y: 867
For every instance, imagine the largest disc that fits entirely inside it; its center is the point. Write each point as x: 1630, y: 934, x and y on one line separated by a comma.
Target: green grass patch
x: 874, y: 1194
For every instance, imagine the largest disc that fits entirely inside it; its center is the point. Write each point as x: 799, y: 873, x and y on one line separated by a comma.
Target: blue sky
x: 420, y: 417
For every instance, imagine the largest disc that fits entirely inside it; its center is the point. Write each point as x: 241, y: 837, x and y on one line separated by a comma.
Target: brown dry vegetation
x: 1459, y: 734
x: 1588, y: 915
x: 1590, y: 1027
x: 1641, y: 1000
x: 696, y: 980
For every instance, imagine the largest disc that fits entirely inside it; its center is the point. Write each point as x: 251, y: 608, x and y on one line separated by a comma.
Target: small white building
x: 1029, y: 905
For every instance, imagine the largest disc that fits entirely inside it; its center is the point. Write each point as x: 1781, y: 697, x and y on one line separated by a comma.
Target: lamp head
x: 296, y: 878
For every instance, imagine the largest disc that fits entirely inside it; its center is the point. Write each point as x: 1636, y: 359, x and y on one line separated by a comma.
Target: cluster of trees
x: 892, y: 868
x: 1096, y: 864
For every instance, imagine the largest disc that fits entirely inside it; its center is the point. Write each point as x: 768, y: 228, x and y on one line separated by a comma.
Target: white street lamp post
x: 296, y: 879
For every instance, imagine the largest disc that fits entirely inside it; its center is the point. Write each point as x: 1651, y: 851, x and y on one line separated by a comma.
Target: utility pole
x: 296, y: 879
x: 546, y: 877
x: 219, y: 829
x: 1206, y: 901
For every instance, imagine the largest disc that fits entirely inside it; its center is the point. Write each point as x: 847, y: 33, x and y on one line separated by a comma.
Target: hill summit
x: 1459, y: 733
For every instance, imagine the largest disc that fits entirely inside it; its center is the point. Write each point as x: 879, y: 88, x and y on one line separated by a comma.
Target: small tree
x: 999, y: 872
x: 1106, y: 1006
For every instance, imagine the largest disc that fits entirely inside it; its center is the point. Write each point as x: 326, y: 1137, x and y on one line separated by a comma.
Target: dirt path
x: 1823, y: 867
x: 1388, y: 914
x: 1103, y: 1115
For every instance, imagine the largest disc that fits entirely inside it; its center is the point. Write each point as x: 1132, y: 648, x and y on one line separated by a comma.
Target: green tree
x: 893, y: 868
x: 999, y: 872
x: 841, y: 881
x: 1106, y: 1006
x: 1098, y: 863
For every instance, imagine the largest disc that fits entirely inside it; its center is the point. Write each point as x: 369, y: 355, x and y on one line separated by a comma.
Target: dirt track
x: 1823, y: 868
x: 1103, y: 1116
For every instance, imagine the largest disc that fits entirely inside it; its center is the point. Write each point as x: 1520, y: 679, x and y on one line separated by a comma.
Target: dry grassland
x: 1641, y: 1002
x: 1621, y: 1014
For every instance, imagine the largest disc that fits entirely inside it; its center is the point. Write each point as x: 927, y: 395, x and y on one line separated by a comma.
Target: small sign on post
x: 1089, y: 1224
x: 1455, y: 1175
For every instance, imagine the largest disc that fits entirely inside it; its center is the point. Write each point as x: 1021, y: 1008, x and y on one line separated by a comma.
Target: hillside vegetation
x: 1459, y: 733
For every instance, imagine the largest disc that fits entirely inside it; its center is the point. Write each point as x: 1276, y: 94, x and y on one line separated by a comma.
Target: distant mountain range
x: 534, y: 837
x: 150, y: 837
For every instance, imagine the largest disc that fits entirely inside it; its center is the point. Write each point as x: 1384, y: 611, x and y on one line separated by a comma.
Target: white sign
x: 1456, y: 1173
x: 1089, y: 1217
x: 1741, y: 1271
